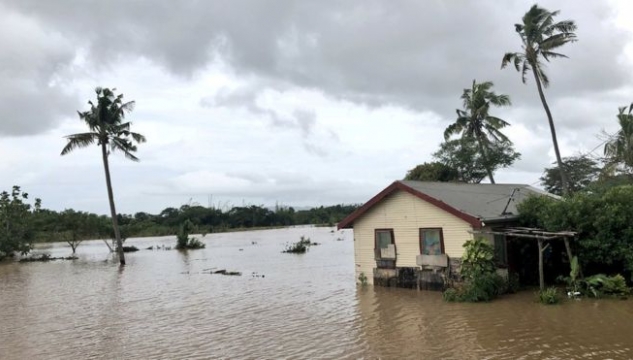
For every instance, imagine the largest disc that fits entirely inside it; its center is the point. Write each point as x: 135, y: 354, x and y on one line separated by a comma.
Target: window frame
x: 380, y: 262
x: 376, y: 231
x: 421, y: 239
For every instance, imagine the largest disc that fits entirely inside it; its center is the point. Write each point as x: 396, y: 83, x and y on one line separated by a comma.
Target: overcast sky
x: 298, y: 103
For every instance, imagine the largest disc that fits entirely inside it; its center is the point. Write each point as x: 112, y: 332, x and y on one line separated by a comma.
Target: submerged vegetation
x: 16, y: 222
x: 299, y: 247
x: 481, y: 282
x: 184, y: 242
x: 549, y: 296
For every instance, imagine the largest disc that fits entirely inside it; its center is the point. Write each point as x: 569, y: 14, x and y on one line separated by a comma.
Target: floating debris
x: 47, y: 257
x: 228, y: 273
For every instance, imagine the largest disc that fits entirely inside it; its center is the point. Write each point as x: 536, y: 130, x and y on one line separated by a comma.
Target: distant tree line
x: 73, y: 226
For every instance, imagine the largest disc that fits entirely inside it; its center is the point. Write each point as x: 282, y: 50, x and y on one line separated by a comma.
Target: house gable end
x: 348, y: 222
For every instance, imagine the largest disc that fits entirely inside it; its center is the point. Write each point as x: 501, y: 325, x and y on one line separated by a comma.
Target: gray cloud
x: 32, y: 92
x: 416, y: 54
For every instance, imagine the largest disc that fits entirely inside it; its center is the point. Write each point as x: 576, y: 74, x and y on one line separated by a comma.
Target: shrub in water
x: 484, y: 287
x: 362, y: 279
x: 478, y: 259
x: 451, y: 295
x: 615, y: 285
x: 299, y: 247
x: 482, y: 283
x: 183, y: 241
x: 549, y: 296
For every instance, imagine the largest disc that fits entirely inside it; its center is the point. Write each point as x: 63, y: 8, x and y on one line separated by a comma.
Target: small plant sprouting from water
x: 183, y: 241
x: 299, y: 247
x: 362, y: 279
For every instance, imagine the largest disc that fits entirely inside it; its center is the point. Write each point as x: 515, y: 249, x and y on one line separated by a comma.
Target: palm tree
x: 619, y: 149
x: 541, y: 36
x: 105, y: 119
x: 475, y: 123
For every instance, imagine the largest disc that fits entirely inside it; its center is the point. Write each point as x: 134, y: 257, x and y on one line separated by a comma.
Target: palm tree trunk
x: 115, y: 222
x: 484, y: 155
x: 552, y: 128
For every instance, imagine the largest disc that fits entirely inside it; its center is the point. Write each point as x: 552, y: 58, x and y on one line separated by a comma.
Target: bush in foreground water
x: 183, y: 241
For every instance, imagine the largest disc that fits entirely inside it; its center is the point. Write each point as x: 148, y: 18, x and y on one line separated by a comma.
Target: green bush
x: 478, y: 259
x: 183, y: 241
x: 615, y: 285
x: 603, y: 220
x: 481, y: 282
x: 600, y: 284
x: 549, y: 296
x: 451, y: 295
x: 482, y: 288
x: 299, y: 247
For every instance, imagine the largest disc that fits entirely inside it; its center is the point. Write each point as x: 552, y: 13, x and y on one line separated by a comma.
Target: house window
x: 501, y: 253
x: 384, y: 248
x: 431, y: 241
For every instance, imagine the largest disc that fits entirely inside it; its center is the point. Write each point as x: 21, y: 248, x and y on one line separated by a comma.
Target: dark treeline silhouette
x: 71, y: 225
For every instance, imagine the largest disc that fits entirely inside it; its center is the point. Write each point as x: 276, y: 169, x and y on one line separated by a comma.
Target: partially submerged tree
x: 474, y: 121
x: 581, y: 172
x: 433, y: 171
x: 16, y: 216
x: 464, y: 157
x: 76, y: 226
x: 541, y: 38
x: 619, y: 148
x: 110, y: 132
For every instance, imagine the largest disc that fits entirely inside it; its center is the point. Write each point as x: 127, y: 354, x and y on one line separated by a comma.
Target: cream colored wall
x: 405, y: 214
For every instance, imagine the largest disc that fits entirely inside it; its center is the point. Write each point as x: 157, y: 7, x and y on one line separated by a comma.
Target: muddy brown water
x: 165, y: 305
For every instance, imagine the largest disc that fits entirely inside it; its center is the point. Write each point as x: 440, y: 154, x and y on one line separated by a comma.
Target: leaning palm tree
x: 619, y: 148
x: 475, y: 123
x: 541, y: 36
x: 105, y: 119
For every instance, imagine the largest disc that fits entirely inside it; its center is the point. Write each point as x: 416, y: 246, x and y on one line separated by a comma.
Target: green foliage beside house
x: 603, y: 220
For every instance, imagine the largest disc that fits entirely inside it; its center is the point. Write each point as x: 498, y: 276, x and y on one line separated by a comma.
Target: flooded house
x: 412, y: 233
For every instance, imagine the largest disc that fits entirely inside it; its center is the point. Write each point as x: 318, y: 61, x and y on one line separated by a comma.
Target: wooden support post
x: 540, y: 265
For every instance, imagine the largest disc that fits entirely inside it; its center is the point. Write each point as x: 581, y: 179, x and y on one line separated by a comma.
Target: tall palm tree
x: 105, y: 119
x: 541, y: 36
x: 475, y: 123
x: 619, y: 149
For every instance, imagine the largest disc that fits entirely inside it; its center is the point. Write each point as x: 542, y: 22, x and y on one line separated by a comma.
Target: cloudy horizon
x: 281, y: 102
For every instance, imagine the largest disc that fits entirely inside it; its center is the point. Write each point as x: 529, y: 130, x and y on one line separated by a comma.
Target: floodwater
x: 165, y: 305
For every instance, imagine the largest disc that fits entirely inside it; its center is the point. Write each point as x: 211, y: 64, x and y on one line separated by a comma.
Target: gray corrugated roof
x: 485, y: 201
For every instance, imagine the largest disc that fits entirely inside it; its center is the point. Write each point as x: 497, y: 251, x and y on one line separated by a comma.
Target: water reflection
x: 165, y: 304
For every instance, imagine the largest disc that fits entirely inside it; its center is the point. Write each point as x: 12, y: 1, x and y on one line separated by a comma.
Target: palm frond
x: 124, y: 146
x: 555, y: 41
x: 138, y: 137
x: 566, y: 27
x: 78, y: 141
x: 511, y: 57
